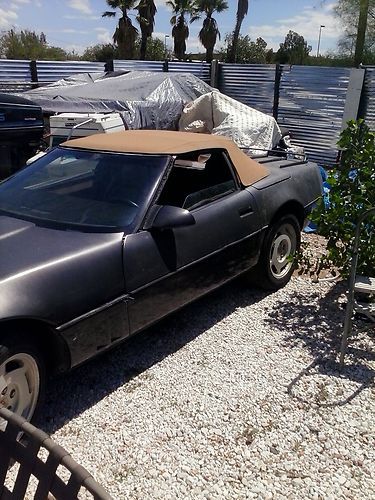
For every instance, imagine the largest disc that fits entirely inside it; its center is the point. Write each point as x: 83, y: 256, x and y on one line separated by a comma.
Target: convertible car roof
x: 172, y: 143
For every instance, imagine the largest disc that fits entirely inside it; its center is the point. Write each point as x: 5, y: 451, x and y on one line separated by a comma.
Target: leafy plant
x: 247, y: 52
x: 352, y: 192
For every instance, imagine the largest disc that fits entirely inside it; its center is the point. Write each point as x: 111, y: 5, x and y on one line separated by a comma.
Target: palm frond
x: 109, y: 13
x: 173, y: 6
x: 195, y: 17
x: 114, y: 4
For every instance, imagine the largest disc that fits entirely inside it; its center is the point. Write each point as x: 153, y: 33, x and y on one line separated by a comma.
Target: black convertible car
x: 108, y: 234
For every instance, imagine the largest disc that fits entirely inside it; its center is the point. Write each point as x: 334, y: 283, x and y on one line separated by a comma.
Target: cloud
x: 83, y: 6
x: 160, y: 4
x: 78, y: 49
x: 103, y: 35
x: 77, y: 16
x: 194, y: 45
x: 72, y: 30
x: 7, y: 18
x: 306, y: 23
x: 15, y: 4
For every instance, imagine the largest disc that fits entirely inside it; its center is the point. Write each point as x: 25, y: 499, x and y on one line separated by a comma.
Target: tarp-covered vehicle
x: 162, y: 101
x: 146, y: 100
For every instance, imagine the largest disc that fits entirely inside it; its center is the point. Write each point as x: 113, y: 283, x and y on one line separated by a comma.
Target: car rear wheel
x: 22, y: 377
x: 277, y: 260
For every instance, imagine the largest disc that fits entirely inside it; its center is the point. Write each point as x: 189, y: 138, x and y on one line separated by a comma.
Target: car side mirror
x: 169, y: 217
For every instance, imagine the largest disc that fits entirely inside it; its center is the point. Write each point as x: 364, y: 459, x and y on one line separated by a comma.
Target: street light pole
x: 320, y: 36
x: 165, y: 46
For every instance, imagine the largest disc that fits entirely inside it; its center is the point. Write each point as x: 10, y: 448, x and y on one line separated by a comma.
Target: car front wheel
x: 22, y: 377
x: 277, y: 260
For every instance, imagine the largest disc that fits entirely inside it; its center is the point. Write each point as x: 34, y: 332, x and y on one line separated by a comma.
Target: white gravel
x: 236, y: 396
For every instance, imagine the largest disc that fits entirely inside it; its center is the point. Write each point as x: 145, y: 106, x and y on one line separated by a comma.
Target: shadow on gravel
x: 70, y: 394
x: 361, y: 375
x: 318, y: 326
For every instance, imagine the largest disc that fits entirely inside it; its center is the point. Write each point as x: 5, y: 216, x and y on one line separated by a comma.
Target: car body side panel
x: 94, y: 333
x: 59, y: 277
x: 166, y: 269
x: 300, y: 182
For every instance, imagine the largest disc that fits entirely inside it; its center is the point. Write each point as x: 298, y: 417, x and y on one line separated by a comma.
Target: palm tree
x: 180, y: 30
x: 210, y: 32
x: 146, y: 18
x: 125, y: 34
x: 242, y: 9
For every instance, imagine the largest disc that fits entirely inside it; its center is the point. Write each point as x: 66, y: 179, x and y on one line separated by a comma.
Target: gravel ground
x: 236, y: 396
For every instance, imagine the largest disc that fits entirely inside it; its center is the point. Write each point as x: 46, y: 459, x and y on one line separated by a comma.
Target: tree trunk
x: 362, y: 25
x: 233, y: 48
x: 209, y: 54
x: 143, y: 49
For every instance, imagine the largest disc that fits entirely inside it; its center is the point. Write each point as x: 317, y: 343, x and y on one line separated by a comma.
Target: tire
x: 276, y: 263
x: 22, y: 376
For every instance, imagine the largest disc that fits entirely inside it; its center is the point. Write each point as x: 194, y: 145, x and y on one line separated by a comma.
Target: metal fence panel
x: 312, y: 103
x: 251, y: 84
x: 131, y: 65
x: 312, y: 99
x: 369, y: 97
x: 200, y: 69
x: 15, y: 70
x: 14, y: 75
x: 51, y: 71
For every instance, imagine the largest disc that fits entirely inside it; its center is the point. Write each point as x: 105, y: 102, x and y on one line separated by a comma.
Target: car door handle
x: 244, y: 211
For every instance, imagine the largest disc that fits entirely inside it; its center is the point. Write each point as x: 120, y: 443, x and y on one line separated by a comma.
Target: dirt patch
x: 313, y: 248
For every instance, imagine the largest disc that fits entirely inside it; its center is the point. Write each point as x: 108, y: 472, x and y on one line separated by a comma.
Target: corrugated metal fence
x: 14, y: 75
x: 308, y: 100
x: 130, y: 65
x: 200, y: 69
x: 51, y: 71
x: 311, y: 106
x: 250, y: 84
x: 369, y: 96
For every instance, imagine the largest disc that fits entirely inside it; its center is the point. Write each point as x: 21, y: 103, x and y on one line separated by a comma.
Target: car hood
x: 41, y: 267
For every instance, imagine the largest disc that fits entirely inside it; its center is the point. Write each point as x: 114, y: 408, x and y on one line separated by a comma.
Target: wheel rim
x: 19, y: 385
x: 282, y: 251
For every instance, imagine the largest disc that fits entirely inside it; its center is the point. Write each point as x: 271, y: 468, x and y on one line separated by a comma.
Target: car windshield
x: 84, y: 188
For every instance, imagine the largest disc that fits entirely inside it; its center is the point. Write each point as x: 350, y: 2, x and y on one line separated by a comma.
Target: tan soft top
x: 172, y: 143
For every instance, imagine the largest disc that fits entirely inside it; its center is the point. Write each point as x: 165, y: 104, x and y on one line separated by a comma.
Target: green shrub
x: 352, y: 192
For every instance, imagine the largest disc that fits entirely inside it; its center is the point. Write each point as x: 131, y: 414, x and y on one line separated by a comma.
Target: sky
x: 76, y: 24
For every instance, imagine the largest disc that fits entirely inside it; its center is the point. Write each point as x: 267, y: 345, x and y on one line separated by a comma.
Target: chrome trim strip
x: 123, y: 298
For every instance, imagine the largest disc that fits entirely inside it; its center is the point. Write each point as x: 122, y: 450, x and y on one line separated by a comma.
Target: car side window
x: 197, y: 179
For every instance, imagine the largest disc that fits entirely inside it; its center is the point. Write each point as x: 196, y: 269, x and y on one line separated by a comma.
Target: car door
x: 165, y: 269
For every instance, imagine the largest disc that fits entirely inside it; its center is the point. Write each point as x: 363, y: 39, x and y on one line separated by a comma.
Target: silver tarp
x: 166, y: 101
x: 218, y: 114
x: 145, y: 100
